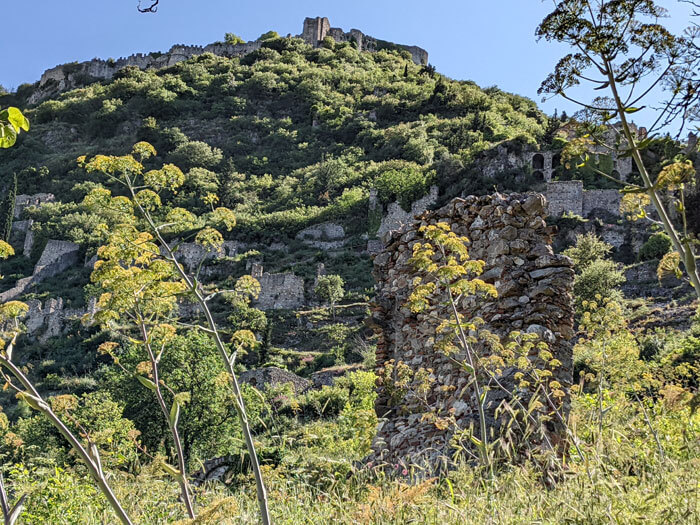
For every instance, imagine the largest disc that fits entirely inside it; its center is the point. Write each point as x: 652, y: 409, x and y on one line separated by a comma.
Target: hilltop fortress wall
x: 68, y: 76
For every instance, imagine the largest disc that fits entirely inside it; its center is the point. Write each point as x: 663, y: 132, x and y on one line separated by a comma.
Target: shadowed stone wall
x: 509, y: 233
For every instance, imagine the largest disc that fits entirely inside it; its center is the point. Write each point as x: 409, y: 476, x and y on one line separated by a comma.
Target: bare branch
x: 152, y: 9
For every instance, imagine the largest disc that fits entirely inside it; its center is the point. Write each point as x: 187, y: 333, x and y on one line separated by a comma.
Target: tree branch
x: 152, y: 9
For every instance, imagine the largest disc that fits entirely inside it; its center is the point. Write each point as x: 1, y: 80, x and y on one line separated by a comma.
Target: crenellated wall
x: 68, y: 76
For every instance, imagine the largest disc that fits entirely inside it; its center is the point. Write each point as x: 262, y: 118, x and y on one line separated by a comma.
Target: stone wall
x: 565, y: 197
x: 191, y: 254
x: 325, y: 236
x: 24, y: 201
x: 57, y: 257
x: 316, y: 29
x: 396, y: 217
x: 570, y: 197
x: 69, y: 76
x: 510, y: 234
x: 52, y: 318
x: 278, y: 291
x: 606, y: 200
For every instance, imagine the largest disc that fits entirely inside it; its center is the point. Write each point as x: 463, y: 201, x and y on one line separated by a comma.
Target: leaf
x: 633, y: 109
x: 8, y: 135
x: 17, y: 510
x: 171, y: 470
x: 174, y: 413
x: 467, y: 367
x: 147, y: 383
x: 603, y: 86
x: 15, y: 117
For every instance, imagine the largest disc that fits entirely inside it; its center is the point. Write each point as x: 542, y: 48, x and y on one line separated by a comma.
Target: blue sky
x: 488, y: 41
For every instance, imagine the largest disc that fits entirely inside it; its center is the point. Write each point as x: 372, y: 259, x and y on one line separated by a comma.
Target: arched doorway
x: 538, y: 162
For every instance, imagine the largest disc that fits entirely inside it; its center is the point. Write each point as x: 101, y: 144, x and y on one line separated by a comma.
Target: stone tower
x: 315, y: 30
x: 509, y: 233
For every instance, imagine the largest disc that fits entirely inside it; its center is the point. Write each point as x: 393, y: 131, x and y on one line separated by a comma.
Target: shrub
x: 599, y: 279
x: 655, y: 247
x: 196, y: 154
x: 588, y: 249
x: 233, y: 39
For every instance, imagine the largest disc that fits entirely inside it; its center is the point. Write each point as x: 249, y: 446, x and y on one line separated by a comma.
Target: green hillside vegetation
x: 286, y: 136
x: 255, y: 150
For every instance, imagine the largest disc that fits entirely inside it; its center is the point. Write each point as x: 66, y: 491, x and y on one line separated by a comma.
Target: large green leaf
x: 11, y: 122
x: 17, y: 119
x: 8, y: 135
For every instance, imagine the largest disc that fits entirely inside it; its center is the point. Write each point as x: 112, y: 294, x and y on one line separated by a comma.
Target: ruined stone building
x: 509, y: 233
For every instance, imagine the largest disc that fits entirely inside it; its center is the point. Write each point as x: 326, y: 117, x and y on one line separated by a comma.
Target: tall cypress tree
x: 8, y: 210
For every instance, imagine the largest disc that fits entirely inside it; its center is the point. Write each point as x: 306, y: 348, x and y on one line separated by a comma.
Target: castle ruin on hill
x: 315, y: 30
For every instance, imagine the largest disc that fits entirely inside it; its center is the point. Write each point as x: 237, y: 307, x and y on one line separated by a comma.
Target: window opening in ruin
x: 556, y: 161
x: 538, y: 162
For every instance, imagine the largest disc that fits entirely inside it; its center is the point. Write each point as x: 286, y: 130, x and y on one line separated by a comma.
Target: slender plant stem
x: 92, y: 465
x: 683, y: 248
x: 239, y: 404
x: 182, y: 478
x: 477, y: 387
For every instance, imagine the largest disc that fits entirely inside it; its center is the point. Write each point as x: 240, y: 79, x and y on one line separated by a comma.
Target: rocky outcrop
x: 273, y: 377
x: 57, y: 257
x: 509, y: 233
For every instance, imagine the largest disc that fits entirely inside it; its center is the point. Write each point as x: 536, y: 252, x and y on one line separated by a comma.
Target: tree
x: 330, y: 289
x: 8, y: 210
x: 621, y: 48
x: 270, y: 35
x: 144, y: 206
x: 588, y: 248
x: 233, y: 39
x: 596, y: 276
x: 597, y: 281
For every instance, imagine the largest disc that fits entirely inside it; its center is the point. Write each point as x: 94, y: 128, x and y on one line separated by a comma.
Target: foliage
x: 588, y: 249
x: 655, y: 247
x: 189, y: 365
x: 7, y: 210
x: 265, y: 125
x: 12, y: 122
x: 233, y: 39
x: 329, y: 288
x: 599, y: 279
x: 622, y: 49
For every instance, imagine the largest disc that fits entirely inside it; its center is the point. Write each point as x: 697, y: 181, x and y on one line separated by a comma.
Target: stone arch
x: 538, y: 161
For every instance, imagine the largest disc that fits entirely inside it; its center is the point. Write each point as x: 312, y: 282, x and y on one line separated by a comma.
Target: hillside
x: 324, y: 146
